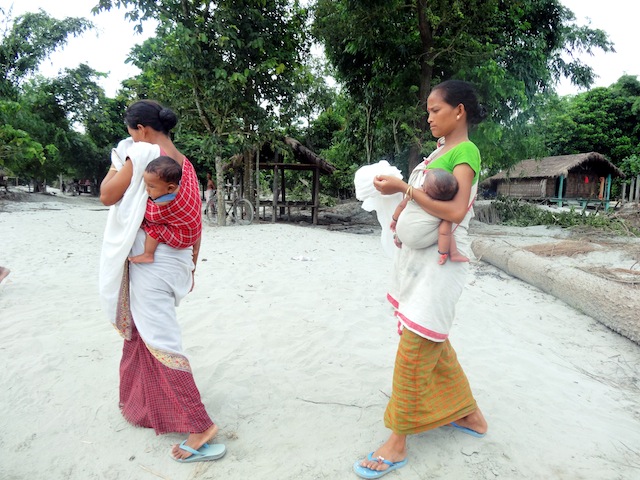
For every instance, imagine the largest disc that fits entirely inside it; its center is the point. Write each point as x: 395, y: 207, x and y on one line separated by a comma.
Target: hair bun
x: 168, y: 118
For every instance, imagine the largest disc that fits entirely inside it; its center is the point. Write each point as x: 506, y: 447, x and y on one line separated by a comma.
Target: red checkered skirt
x: 155, y: 396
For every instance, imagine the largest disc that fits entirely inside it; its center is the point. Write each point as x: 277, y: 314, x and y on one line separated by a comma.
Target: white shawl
x: 123, y: 221
x: 372, y: 199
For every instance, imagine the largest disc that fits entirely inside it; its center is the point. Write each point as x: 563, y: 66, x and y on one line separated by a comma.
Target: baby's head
x: 162, y: 176
x: 440, y: 184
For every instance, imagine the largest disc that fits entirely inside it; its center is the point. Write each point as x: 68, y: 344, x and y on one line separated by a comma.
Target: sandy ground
x: 292, y: 344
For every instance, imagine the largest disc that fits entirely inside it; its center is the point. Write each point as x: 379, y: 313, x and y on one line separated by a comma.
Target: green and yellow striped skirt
x: 430, y: 388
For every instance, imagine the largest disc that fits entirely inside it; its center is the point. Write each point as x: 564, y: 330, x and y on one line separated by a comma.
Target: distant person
x: 422, y: 227
x: 211, y: 187
x: 171, y: 225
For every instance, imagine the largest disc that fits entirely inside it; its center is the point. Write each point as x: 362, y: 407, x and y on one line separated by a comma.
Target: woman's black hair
x: 150, y: 113
x: 167, y: 169
x: 456, y: 92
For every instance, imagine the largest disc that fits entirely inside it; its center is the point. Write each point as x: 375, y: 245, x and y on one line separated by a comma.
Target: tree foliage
x: 232, y: 69
x: 27, y: 41
x: 240, y: 73
x: 605, y: 120
x: 41, y: 120
x: 389, y: 54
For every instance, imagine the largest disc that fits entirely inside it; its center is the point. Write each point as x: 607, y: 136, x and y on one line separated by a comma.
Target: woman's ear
x: 142, y: 130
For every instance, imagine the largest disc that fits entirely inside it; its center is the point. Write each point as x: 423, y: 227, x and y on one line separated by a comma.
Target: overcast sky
x: 103, y: 49
x: 619, y: 18
x: 106, y: 48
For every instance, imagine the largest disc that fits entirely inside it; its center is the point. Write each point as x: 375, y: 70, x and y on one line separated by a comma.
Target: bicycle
x: 240, y: 211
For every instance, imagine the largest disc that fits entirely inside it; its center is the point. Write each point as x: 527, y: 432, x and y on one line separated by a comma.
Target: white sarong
x: 155, y: 290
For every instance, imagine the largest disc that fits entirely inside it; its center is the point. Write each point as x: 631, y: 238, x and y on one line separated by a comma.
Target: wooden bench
x: 281, y: 206
x: 583, y: 202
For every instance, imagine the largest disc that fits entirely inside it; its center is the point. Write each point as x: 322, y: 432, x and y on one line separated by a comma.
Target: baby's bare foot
x: 144, y: 258
x: 458, y: 257
x: 4, y: 273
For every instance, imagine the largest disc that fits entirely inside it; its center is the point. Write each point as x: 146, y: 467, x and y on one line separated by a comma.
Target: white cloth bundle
x: 123, y: 221
x: 372, y: 199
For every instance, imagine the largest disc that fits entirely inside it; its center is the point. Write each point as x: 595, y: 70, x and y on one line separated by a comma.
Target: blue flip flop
x: 468, y: 431
x: 364, y: 472
x: 205, y: 453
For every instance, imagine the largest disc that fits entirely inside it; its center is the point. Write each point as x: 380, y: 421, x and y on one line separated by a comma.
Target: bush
x: 514, y: 212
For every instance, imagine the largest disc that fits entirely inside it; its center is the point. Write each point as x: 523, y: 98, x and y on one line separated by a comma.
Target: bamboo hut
x: 583, y: 178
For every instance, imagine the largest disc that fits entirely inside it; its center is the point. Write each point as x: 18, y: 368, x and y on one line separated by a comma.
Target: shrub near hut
x: 518, y: 213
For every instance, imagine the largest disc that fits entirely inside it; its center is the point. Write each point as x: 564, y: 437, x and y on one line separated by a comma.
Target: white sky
x: 619, y: 19
x: 106, y: 48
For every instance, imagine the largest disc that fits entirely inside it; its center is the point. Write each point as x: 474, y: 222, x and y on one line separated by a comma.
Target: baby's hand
x: 397, y: 241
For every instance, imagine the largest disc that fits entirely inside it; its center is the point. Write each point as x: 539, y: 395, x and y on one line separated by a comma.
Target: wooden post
x: 257, y: 212
x: 607, y: 194
x: 637, y: 195
x: 560, y: 188
x: 316, y: 195
x: 275, y: 194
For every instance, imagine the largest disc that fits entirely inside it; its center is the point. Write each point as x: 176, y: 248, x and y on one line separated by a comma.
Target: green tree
x: 27, y: 41
x: 34, y: 126
x: 230, y: 68
x: 604, y: 120
x: 388, y: 54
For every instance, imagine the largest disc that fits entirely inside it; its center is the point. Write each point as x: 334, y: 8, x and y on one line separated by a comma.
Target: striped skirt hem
x: 430, y: 389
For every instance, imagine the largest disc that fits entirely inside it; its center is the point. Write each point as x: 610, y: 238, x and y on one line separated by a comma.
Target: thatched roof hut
x: 550, y: 167
x: 307, y: 156
x: 581, y: 176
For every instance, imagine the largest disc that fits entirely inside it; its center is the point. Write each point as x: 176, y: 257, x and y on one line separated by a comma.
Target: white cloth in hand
x: 372, y: 199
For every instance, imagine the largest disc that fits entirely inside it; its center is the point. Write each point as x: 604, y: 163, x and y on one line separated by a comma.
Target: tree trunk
x: 426, y: 75
x: 368, y: 134
x: 222, y: 217
x: 613, y: 304
x: 248, y: 191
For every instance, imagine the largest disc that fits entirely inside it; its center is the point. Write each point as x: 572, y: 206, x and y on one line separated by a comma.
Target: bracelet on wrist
x: 409, y: 192
x: 393, y: 218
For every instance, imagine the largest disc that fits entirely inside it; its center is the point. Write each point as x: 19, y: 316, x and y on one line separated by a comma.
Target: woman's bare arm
x: 453, y: 210
x: 116, y: 183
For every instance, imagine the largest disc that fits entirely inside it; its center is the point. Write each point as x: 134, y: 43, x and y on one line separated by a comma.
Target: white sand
x: 294, y: 360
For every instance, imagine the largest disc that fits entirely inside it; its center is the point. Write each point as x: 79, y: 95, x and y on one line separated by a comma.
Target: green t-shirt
x: 465, y: 152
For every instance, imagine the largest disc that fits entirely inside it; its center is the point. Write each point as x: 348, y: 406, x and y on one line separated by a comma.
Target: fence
x: 632, y: 194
